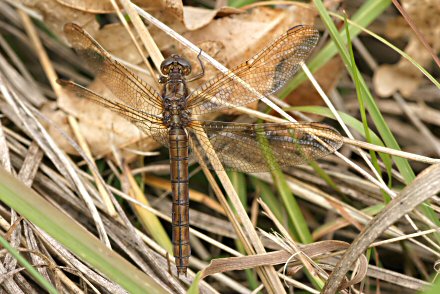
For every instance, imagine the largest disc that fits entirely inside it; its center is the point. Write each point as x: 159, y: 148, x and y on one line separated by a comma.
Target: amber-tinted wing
x: 266, y: 72
x: 124, y: 84
x: 150, y: 124
x: 253, y: 147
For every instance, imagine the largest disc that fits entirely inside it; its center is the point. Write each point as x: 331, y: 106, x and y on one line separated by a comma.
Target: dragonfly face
x: 175, y: 64
x: 166, y: 116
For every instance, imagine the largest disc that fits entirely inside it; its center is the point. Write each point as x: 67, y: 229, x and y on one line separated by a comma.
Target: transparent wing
x: 127, y: 86
x: 254, y: 148
x: 150, y: 124
x: 266, y: 72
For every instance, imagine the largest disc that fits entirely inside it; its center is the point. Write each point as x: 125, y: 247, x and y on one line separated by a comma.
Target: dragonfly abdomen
x: 178, y: 139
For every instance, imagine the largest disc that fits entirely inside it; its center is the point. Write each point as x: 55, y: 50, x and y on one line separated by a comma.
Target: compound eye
x: 186, y: 66
x: 165, y: 66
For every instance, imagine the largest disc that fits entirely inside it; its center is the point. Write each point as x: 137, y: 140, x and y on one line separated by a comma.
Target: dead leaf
x: 115, y: 39
x: 195, y: 17
x: 390, y: 79
x: 96, y: 7
x: 101, y: 127
x: 192, y: 17
x: 404, y: 76
x: 57, y: 15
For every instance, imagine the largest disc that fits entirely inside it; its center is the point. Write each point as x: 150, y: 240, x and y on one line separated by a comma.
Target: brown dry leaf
x: 100, y: 127
x: 89, y: 6
x: 56, y: 15
x: 93, y: 6
x: 390, y: 79
x: 403, y: 76
x: 195, y: 17
x: 327, y: 76
x: 192, y: 17
x: 115, y: 39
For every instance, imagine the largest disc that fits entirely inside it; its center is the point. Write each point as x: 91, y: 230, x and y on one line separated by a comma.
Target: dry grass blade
x: 133, y: 38
x: 402, y: 154
x: 422, y: 188
x: 148, y: 220
x: 57, y: 156
x: 5, y: 161
x: 82, y: 142
x: 315, y: 251
x: 146, y: 38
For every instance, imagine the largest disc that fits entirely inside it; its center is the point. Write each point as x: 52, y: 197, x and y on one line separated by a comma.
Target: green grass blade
x: 373, y: 110
x: 289, y: 201
x: 31, y: 270
x: 194, y: 289
x: 400, y: 52
x: 323, y: 175
x: 264, y: 191
x: 238, y: 180
x: 356, y: 74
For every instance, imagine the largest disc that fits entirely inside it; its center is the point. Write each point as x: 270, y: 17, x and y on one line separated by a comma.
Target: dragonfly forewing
x: 124, y: 84
x: 263, y: 74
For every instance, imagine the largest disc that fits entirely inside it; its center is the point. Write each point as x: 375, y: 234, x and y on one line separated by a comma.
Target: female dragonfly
x: 170, y: 116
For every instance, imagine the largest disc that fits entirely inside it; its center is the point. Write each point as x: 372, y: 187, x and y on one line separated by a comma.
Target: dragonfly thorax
x: 174, y: 104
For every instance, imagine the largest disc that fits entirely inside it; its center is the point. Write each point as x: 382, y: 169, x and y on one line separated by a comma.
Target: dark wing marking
x: 150, y: 124
x: 244, y: 147
x: 266, y: 72
x: 126, y: 86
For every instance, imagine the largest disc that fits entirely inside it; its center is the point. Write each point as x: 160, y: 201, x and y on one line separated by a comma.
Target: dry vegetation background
x: 78, y: 167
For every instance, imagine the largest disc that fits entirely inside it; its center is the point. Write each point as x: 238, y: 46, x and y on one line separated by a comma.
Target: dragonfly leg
x: 198, y: 76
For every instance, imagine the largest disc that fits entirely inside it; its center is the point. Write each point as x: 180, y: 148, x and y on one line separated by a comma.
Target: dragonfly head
x: 175, y: 63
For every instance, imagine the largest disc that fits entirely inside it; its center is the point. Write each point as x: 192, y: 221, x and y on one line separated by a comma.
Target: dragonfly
x: 172, y: 116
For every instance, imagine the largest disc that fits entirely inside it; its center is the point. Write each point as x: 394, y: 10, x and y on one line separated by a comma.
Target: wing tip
x: 63, y: 83
x: 305, y: 28
x: 70, y: 26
